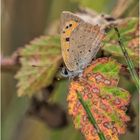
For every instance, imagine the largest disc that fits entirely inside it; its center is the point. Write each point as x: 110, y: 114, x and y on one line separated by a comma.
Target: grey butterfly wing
x: 68, y: 18
x: 85, y: 41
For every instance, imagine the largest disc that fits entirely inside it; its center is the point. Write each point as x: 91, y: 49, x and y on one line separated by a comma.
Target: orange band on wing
x: 65, y: 39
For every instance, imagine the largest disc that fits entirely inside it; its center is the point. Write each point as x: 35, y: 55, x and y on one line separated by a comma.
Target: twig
x: 129, y: 62
x: 10, y: 64
x: 90, y: 117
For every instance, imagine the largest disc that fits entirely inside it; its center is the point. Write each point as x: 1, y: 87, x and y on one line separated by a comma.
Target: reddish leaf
x: 107, y: 102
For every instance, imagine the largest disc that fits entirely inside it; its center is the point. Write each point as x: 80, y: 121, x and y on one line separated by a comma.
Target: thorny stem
x: 129, y: 62
x: 90, y: 117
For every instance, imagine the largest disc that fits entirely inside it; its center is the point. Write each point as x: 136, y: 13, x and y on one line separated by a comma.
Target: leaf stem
x: 129, y: 62
x: 90, y: 117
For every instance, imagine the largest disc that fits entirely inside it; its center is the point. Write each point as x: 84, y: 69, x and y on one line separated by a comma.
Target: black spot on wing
x: 67, y: 27
x: 67, y: 39
x: 70, y: 25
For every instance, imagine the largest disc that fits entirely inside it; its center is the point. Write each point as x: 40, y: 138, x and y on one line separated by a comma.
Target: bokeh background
x: 22, y: 21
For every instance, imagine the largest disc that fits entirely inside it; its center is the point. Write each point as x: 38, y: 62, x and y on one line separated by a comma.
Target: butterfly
x: 80, y: 42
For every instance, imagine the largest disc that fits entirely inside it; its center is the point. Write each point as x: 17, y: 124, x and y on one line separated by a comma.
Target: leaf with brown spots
x: 107, y: 102
x: 40, y: 61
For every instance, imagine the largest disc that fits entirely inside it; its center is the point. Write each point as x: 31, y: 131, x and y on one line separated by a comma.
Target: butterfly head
x: 71, y: 74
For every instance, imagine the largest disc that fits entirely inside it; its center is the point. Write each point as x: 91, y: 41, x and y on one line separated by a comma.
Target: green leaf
x: 128, y: 29
x: 40, y: 61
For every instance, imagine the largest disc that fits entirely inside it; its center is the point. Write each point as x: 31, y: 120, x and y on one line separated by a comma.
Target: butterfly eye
x: 67, y: 27
x: 64, y: 72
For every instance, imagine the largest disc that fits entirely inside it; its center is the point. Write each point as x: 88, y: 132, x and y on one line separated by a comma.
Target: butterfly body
x: 80, y: 42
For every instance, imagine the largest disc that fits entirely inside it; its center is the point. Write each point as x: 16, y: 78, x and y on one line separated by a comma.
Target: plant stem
x: 129, y: 62
x: 90, y: 117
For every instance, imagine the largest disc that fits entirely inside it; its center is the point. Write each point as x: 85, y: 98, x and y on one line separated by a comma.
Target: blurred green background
x: 23, y: 20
